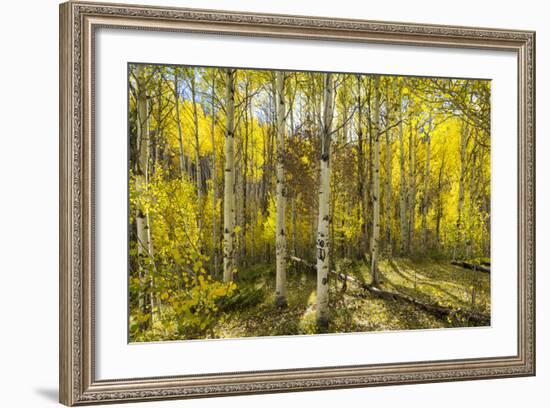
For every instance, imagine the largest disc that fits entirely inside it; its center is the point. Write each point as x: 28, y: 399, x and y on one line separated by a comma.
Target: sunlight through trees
x: 308, y: 197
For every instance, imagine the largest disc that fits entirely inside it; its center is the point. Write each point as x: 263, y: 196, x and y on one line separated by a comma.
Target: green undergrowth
x: 250, y: 310
x: 353, y: 310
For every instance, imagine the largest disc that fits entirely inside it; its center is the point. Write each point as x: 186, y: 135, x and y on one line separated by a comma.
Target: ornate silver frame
x: 78, y: 22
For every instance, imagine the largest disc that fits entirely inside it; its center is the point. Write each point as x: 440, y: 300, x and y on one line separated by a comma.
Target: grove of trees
x: 242, y: 180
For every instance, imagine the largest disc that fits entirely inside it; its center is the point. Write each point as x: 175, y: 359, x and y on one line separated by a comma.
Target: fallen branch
x: 440, y: 311
x: 471, y: 266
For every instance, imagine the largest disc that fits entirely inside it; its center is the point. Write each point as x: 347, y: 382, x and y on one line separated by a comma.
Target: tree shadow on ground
x: 353, y: 310
x: 268, y: 319
x: 409, y: 287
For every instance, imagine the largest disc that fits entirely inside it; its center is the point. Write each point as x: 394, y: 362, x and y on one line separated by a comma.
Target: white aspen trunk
x: 388, y: 183
x: 254, y: 187
x: 178, y: 125
x: 439, y: 213
x: 369, y: 211
x: 197, y: 156
x: 426, y: 191
x: 402, y: 181
x: 486, y: 202
x: 473, y: 193
x: 149, y: 243
x: 361, y: 170
x: 280, y: 233
x: 214, y: 176
x: 473, y: 188
x: 412, y: 190
x: 460, y: 204
x: 323, y: 225
x: 243, y: 179
x: 229, y: 181
x: 375, y: 243
x: 239, y: 197
x: 158, y: 131
x: 142, y: 217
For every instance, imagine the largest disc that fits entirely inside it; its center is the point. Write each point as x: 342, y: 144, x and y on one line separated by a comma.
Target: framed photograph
x: 256, y: 203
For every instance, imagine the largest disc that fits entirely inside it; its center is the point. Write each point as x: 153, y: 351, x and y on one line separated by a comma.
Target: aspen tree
x: 214, y: 175
x: 229, y: 179
x: 280, y: 231
x: 402, y: 178
x: 323, y: 225
x: 460, y: 203
x: 178, y: 123
x: 428, y: 140
x: 388, y: 180
x: 412, y: 188
x: 375, y: 243
x: 198, y: 170
x: 144, y: 245
x: 361, y: 167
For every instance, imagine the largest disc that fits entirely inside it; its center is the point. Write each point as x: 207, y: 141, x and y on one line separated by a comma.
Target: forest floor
x: 252, y: 312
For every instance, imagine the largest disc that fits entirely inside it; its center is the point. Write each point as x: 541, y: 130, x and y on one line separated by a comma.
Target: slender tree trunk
x: 370, y: 169
x: 473, y: 194
x: 460, y: 203
x: 375, y: 243
x: 214, y: 176
x: 244, y: 178
x: 253, y: 188
x: 178, y: 125
x: 291, y: 112
x: 263, y: 186
x: 412, y: 190
x: 141, y: 177
x: 323, y: 225
x: 473, y: 179
x: 402, y: 182
x: 197, y: 157
x: 229, y: 180
x: 239, y: 197
x: 388, y: 183
x: 486, y: 201
x: 439, y: 213
x: 426, y: 191
x: 158, y: 131
x: 280, y: 284
x: 361, y: 169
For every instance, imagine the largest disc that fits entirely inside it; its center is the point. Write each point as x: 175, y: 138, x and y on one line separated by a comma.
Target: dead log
x: 302, y: 262
x: 471, y: 266
x: 435, y: 309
